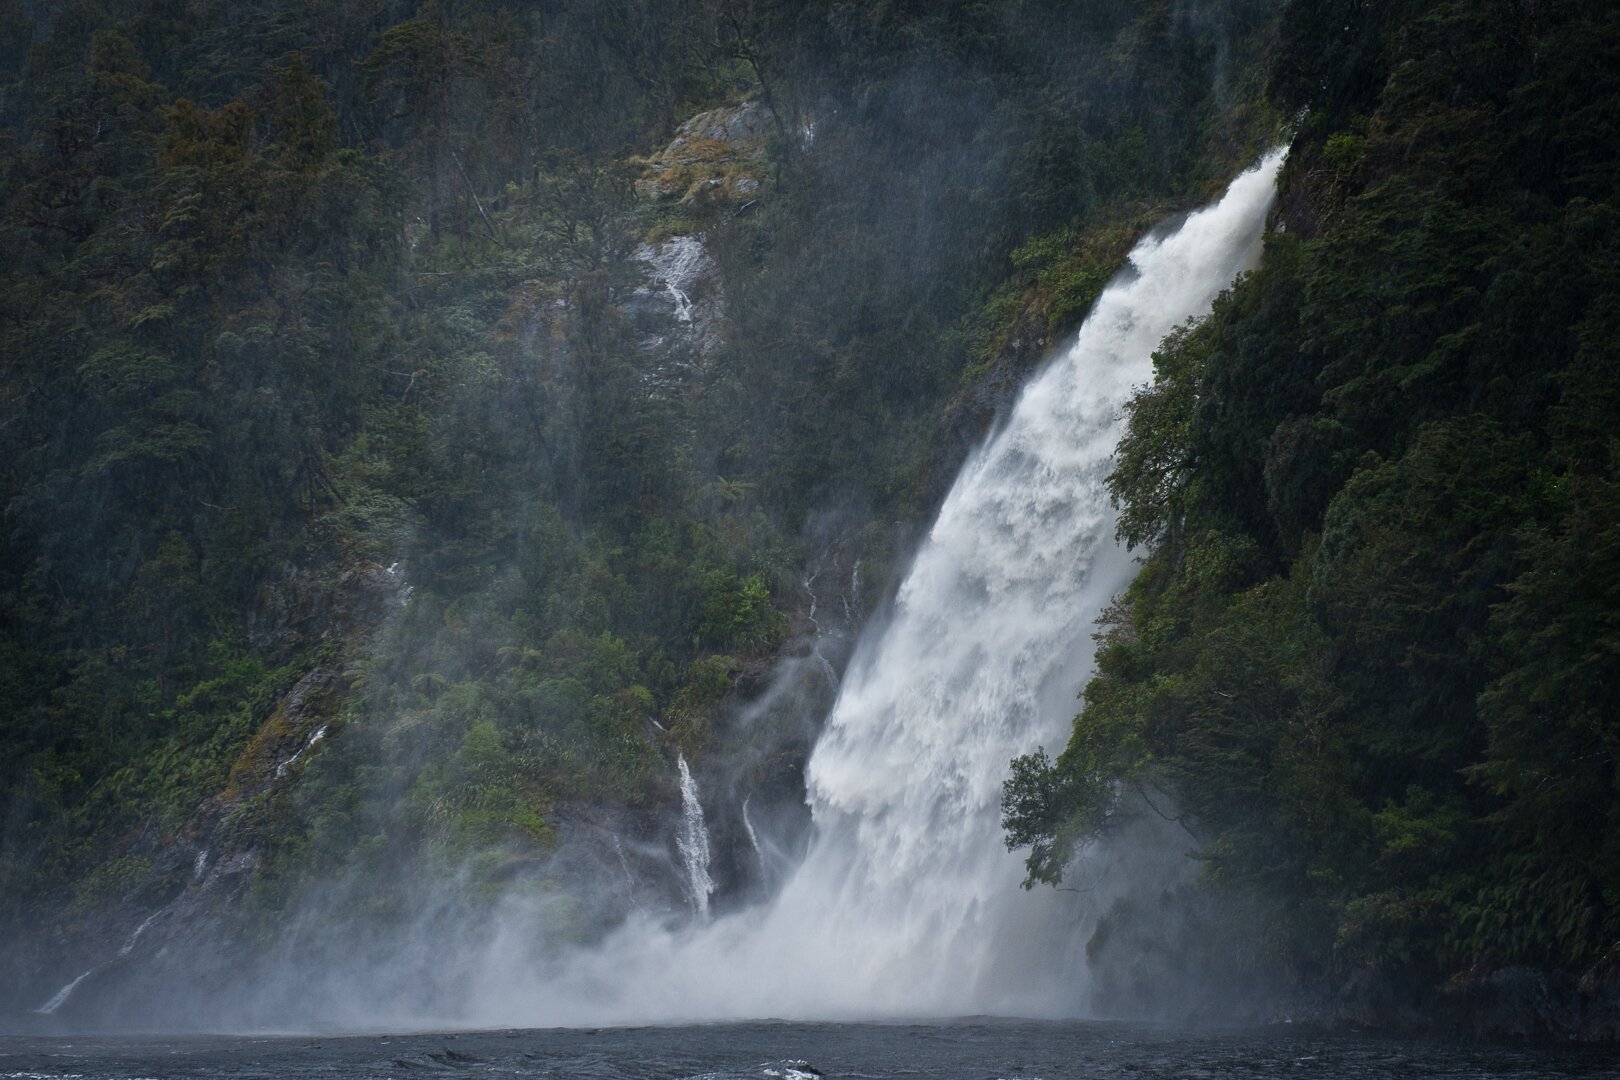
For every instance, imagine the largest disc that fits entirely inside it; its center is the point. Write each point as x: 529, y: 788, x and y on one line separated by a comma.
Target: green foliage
x: 1156, y: 458
x: 737, y: 614
x: 306, y: 303
x: 1366, y: 656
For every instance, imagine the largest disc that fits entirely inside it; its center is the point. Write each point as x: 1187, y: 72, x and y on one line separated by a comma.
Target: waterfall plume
x: 907, y: 902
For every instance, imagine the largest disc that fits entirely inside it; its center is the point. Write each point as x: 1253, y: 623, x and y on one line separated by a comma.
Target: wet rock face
x: 311, y: 603
x: 619, y: 858
x: 1504, y: 1005
x: 1527, y: 1004
x: 183, y: 906
x: 968, y: 418
x: 188, y: 922
x: 716, y: 157
x: 678, y: 310
x: 683, y: 271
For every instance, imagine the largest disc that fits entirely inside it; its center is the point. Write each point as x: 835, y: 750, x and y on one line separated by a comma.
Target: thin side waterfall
x: 320, y: 733
x: 907, y: 902
x: 693, y: 842
x: 827, y: 670
x: 753, y: 837
x: 676, y: 264
x: 134, y: 939
x: 60, y: 997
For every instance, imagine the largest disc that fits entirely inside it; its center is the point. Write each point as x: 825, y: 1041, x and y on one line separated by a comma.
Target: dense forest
x: 1371, y: 653
x: 362, y: 513
x: 369, y: 509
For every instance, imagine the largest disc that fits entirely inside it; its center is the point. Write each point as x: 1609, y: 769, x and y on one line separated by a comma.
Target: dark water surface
x: 974, y: 1049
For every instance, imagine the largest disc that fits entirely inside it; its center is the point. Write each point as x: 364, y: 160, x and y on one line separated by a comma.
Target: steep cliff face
x: 424, y: 429
x: 210, y: 893
x: 1360, y: 485
x: 443, y: 450
x: 197, y: 876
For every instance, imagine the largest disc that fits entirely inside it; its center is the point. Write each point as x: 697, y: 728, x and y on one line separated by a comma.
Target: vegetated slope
x: 327, y: 409
x: 1372, y: 652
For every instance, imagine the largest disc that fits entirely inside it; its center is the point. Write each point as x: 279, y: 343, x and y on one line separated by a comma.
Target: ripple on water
x: 975, y: 1049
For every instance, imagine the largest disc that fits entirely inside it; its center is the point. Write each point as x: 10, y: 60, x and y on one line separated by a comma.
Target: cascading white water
x: 753, y: 837
x: 320, y: 733
x: 693, y: 842
x: 907, y: 901
x: 129, y: 945
x: 59, y: 998
x: 826, y: 666
x: 676, y: 264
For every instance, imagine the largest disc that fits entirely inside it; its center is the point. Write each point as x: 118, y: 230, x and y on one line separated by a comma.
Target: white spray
x: 907, y: 902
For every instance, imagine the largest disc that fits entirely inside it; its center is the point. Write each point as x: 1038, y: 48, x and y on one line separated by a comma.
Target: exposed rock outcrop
x: 716, y: 157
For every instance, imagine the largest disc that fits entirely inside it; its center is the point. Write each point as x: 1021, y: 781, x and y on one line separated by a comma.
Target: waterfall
x: 907, y: 902
x: 693, y: 842
x: 753, y: 837
x: 676, y: 265
x: 320, y: 733
x: 134, y: 939
x: 60, y: 997
x: 827, y: 670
